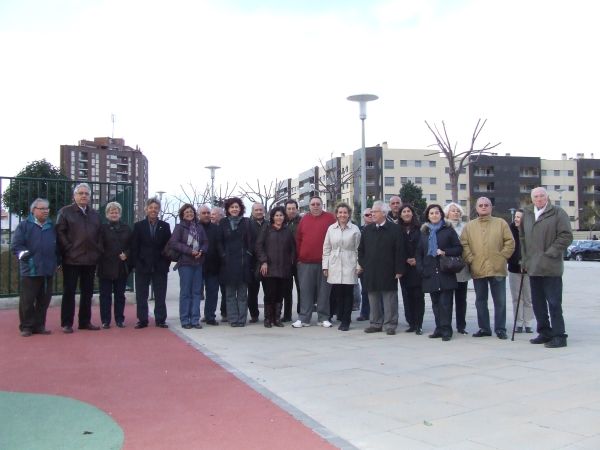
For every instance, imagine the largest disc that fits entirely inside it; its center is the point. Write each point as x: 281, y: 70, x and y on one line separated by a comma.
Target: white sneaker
x: 326, y: 324
x: 299, y: 324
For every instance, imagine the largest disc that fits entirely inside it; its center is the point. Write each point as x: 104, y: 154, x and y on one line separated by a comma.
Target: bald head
x: 483, y: 207
x: 204, y: 214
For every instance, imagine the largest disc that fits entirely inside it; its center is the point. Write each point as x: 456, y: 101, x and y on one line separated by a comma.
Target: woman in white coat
x: 340, y: 262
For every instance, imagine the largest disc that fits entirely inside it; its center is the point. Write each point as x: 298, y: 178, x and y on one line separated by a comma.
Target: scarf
x: 234, y: 221
x: 432, y: 242
x: 193, y: 239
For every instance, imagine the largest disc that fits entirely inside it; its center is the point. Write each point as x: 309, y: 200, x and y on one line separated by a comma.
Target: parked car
x: 575, y: 243
x: 586, y: 251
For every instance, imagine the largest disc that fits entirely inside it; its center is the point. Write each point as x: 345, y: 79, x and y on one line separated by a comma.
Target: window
x: 544, y: 172
x: 463, y: 203
x: 418, y: 180
x: 571, y: 188
x: 432, y: 163
x: 557, y: 173
x: 557, y: 203
x: 556, y: 187
x: 389, y: 181
x: 403, y: 180
x: 388, y: 164
x: 571, y: 203
x: 433, y: 197
x: 418, y: 163
x: 570, y: 173
x: 370, y: 164
x: 433, y: 180
x: 403, y: 163
x: 388, y: 197
x: 572, y: 218
x: 448, y: 187
x: 463, y: 187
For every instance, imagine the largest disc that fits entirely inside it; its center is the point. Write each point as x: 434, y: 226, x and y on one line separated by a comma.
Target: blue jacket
x: 41, y: 243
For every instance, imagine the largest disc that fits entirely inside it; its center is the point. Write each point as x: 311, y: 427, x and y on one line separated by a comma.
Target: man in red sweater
x: 310, y: 236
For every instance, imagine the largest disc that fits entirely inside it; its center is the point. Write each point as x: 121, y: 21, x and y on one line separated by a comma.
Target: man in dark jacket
x: 34, y: 245
x: 545, y: 233
x: 382, y: 256
x: 78, y: 231
x: 292, y: 219
x: 257, y: 224
x: 148, y: 240
x: 211, y: 265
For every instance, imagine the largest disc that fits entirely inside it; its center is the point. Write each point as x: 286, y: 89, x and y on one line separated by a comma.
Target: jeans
x: 108, y: 288
x: 546, y: 296
x: 211, y: 295
x: 498, y: 287
x: 237, y: 303
x: 190, y: 294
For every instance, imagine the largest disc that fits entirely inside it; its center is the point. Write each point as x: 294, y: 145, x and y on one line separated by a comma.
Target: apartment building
x: 107, y: 160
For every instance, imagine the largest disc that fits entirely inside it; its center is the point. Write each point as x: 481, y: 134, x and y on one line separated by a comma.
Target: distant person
x: 340, y: 262
x: 236, y: 246
x: 394, y: 213
x: 276, y: 254
x: 515, y: 273
x: 382, y: 256
x: 113, y: 267
x: 411, y: 283
x: 216, y: 214
x: 487, y: 245
x: 257, y: 224
x: 545, y: 233
x: 309, y: 246
x: 34, y: 245
x: 437, y: 239
x: 454, y: 213
x: 148, y: 241
x: 210, y: 267
x: 78, y: 231
x: 365, y: 310
x: 292, y: 219
x: 189, y: 240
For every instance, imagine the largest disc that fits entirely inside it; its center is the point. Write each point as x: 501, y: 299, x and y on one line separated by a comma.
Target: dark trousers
x: 36, y: 293
x: 343, y: 295
x: 365, y: 309
x: 211, y: 295
x: 413, y: 299
x: 253, y: 289
x: 142, y: 290
x: 223, y: 301
x: 274, y: 289
x: 108, y: 288
x: 85, y: 276
x: 546, y: 296
x: 460, y: 305
x: 288, y: 296
x: 441, y: 304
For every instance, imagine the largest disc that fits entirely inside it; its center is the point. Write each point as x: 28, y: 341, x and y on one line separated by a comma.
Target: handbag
x: 451, y: 264
x: 170, y: 253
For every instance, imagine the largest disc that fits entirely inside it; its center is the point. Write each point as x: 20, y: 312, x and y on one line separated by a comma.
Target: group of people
x: 325, y: 253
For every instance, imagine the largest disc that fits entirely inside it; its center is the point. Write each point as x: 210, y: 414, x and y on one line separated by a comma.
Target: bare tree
x: 268, y: 196
x: 459, y: 160
x: 333, y: 180
x: 222, y: 193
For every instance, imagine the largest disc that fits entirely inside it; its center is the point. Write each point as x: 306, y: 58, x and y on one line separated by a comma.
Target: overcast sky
x: 260, y: 87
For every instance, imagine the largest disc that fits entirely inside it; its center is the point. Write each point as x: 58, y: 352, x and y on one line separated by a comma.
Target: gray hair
x: 153, y: 200
x: 218, y: 210
x: 82, y: 185
x: 36, y: 201
x: 202, y: 207
x: 113, y: 205
x: 381, y: 205
x: 539, y: 188
x: 451, y: 204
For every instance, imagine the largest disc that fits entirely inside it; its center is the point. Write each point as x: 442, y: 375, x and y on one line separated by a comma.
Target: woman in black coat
x: 113, y: 269
x: 438, y: 238
x: 413, y: 297
x: 235, y: 244
x: 276, y: 254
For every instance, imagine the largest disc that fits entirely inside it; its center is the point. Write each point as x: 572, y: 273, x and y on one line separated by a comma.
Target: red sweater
x: 310, y: 236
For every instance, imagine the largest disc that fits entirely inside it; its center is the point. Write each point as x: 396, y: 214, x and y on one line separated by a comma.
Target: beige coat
x: 487, y: 244
x: 340, y: 254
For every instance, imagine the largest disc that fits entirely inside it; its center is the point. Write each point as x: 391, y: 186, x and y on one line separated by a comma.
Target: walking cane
x: 518, y: 302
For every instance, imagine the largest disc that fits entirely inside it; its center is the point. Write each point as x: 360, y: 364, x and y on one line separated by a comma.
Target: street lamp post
x: 212, y: 183
x: 512, y: 214
x: 362, y: 100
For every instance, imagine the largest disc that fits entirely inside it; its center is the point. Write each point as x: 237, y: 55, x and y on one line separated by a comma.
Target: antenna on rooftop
x: 112, y: 119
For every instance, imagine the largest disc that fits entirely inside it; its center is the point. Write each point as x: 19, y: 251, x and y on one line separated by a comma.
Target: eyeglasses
x: 41, y: 209
x: 368, y: 215
x: 485, y: 205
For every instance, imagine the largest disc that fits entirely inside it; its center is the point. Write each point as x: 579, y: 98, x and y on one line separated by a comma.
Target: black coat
x: 433, y: 279
x: 277, y: 248
x: 114, y: 240
x: 412, y: 276
x: 514, y: 265
x: 212, y: 260
x: 235, y: 250
x: 147, y: 252
x: 382, y: 255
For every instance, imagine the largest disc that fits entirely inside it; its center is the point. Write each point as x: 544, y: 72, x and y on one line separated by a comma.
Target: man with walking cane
x: 519, y: 283
x: 545, y: 233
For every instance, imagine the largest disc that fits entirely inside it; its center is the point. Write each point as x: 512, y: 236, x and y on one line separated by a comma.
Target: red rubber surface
x: 160, y: 390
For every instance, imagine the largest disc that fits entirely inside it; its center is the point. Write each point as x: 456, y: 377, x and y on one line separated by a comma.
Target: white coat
x: 340, y: 253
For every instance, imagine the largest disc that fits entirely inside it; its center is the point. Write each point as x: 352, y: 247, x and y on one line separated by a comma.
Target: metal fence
x: 17, y: 195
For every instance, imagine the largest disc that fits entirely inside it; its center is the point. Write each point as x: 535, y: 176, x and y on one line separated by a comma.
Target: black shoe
x: 446, y: 338
x: 556, y: 342
x: 540, y: 340
x: 106, y: 326
x: 373, y: 330
x: 528, y: 330
x: 26, y: 333
x: 463, y: 331
x: 519, y: 330
x: 67, y: 329
x: 502, y: 335
x: 140, y: 325
x: 187, y: 326
x: 410, y: 330
x: 343, y: 327
x: 224, y: 319
x: 42, y: 331
x: 481, y: 333
x: 212, y: 322
x: 267, y: 324
x: 285, y: 320
x: 361, y: 318
x: 120, y: 325
x: 89, y: 326
x: 197, y: 326
x: 253, y: 319
x: 390, y: 332
x: 278, y: 324
x: 419, y: 332
x: 234, y: 325
x: 435, y: 335
x: 203, y: 320
x: 162, y: 325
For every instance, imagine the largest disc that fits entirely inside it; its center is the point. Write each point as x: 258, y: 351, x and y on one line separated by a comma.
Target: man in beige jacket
x: 487, y: 245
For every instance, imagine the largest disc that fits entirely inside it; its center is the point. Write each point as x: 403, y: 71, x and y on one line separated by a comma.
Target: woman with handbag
x: 276, y: 254
x: 438, y: 239
x: 189, y: 240
x: 454, y: 214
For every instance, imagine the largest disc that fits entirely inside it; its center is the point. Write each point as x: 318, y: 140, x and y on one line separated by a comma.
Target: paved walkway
x: 373, y: 391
